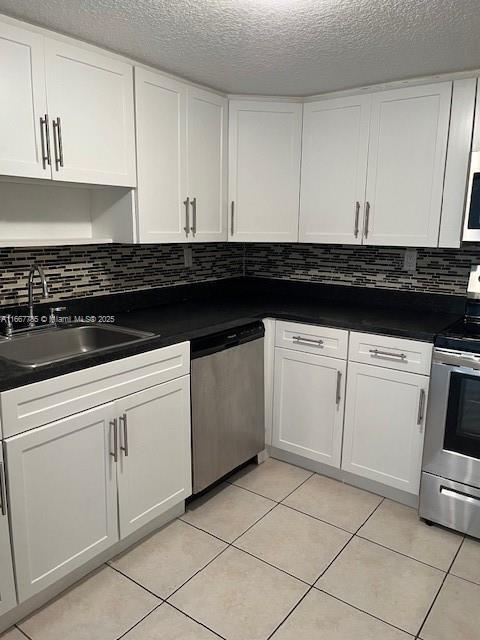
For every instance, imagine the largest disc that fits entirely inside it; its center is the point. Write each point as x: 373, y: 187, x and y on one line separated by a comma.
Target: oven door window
x: 462, y: 428
x: 474, y: 212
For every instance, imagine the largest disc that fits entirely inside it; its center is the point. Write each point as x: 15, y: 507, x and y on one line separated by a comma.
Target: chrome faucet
x: 31, y: 274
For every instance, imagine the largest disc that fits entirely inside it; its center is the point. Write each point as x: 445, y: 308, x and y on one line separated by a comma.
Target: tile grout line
x: 141, y: 620
x: 439, y: 590
x: 202, y: 624
x: 15, y: 626
x: 349, y: 604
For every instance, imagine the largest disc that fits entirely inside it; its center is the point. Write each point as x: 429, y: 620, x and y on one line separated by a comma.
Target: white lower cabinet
x: 308, y: 405
x: 384, y: 425
x: 154, y: 470
x: 63, y: 496
x: 7, y: 586
x: 80, y: 484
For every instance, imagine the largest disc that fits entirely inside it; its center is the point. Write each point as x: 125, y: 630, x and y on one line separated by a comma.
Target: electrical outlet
x: 410, y: 260
x: 188, y: 257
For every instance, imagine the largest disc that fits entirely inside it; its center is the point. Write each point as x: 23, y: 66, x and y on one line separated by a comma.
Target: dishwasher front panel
x: 228, y: 414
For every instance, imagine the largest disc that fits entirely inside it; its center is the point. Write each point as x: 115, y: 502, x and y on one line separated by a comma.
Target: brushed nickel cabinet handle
x: 421, y: 409
x: 367, y: 218
x: 357, y: 218
x: 376, y: 353
x: 45, y: 141
x: 123, y: 421
x: 339, y: 382
x: 193, y: 202
x: 232, y: 226
x: 58, y: 144
x: 3, y: 490
x: 186, y: 228
x: 309, y: 341
x: 114, y: 426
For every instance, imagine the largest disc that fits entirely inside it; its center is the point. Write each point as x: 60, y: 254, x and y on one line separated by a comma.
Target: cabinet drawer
x: 392, y: 353
x: 312, y: 339
x: 41, y: 402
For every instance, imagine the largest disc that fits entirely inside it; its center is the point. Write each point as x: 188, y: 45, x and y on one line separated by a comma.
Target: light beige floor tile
x: 467, y: 563
x: 273, y: 479
x: 456, y: 612
x: 166, y: 623
x: 390, y: 586
x: 100, y: 607
x: 334, y: 502
x: 399, y: 527
x: 227, y: 511
x: 294, y: 542
x: 239, y: 597
x: 321, y: 617
x: 164, y: 561
x: 12, y: 634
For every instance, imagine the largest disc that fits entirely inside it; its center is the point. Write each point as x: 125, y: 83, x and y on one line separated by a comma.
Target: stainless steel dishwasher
x: 228, y: 415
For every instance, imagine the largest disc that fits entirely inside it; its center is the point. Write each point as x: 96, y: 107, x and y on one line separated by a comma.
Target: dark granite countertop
x: 190, y: 311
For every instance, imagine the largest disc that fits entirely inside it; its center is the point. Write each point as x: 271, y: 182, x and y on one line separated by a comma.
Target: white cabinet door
x: 406, y: 165
x: 207, y: 165
x: 384, y: 424
x: 308, y: 405
x: 23, y: 103
x: 92, y: 94
x: 154, y: 468
x: 63, y: 497
x: 334, y: 170
x: 161, y: 158
x: 8, y: 598
x: 264, y: 170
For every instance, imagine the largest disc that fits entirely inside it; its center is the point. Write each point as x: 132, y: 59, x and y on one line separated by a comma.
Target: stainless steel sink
x: 52, y: 344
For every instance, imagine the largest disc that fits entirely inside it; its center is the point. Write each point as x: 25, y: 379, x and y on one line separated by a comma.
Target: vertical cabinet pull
x: 124, y: 423
x: 58, y: 144
x: 421, y: 409
x: 339, y: 383
x: 232, y: 224
x: 367, y: 218
x: 186, y: 228
x: 3, y: 490
x: 357, y: 218
x: 114, y: 426
x: 194, y: 216
x: 45, y: 141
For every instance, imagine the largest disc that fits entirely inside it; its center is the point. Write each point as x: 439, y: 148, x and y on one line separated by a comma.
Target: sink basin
x: 52, y: 344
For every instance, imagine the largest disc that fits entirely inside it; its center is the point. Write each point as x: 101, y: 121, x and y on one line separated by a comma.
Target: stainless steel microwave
x: 471, y: 225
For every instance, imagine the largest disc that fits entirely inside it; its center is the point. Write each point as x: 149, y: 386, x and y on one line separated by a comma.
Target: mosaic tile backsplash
x: 75, y: 272
x: 438, y: 270
x: 99, y: 269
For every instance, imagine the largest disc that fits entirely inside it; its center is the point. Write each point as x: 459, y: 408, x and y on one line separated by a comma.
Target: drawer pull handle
x: 309, y: 341
x: 376, y: 353
x: 451, y: 493
x: 186, y: 228
x: 421, y: 409
x: 339, y: 382
x: 357, y: 217
x: 114, y: 426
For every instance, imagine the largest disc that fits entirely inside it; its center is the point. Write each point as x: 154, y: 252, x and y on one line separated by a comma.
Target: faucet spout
x: 31, y: 275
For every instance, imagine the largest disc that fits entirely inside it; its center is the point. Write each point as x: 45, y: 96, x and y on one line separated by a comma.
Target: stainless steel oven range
x: 450, y: 484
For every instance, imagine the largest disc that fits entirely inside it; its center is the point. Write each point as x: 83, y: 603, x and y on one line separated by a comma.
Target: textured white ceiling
x: 277, y: 47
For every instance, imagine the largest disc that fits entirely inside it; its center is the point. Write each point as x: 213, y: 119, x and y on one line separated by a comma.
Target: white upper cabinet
x: 7, y: 586
x: 406, y: 165
x: 334, y: 170
x: 206, y: 165
x: 23, y: 105
x: 181, y: 156
x: 264, y: 170
x: 161, y: 163
x: 90, y: 103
